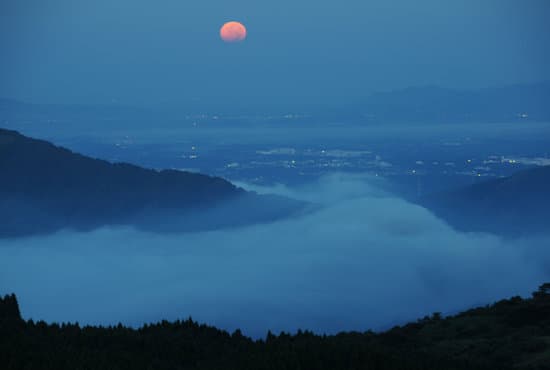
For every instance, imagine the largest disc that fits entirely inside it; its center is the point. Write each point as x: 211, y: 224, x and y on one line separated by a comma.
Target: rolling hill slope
x: 514, y: 205
x: 45, y: 188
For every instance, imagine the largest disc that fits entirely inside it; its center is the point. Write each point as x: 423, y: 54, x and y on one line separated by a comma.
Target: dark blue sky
x: 298, y: 51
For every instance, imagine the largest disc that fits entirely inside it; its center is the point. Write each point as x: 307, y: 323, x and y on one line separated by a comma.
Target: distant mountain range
x: 11, y: 109
x: 524, y: 102
x: 431, y: 103
x: 514, y: 205
x: 434, y: 104
x: 45, y: 188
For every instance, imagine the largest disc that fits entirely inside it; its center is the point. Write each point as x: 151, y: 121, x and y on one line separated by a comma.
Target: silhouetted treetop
x: 510, y: 334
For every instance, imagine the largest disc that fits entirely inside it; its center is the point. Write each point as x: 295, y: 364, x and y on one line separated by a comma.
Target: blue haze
x: 298, y: 53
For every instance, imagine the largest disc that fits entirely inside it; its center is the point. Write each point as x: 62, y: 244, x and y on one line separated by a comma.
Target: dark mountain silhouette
x: 510, y: 334
x: 514, y: 205
x: 45, y: 188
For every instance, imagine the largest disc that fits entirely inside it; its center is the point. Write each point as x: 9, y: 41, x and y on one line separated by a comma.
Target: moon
x: 233, y: 32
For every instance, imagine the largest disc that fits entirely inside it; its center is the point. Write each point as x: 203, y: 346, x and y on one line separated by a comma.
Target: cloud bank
x: 363, y: 260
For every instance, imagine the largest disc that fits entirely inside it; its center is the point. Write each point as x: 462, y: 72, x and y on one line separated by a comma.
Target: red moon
x: 233, y: 32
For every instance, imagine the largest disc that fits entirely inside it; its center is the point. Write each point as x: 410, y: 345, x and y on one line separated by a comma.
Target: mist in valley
x: 361, y: 259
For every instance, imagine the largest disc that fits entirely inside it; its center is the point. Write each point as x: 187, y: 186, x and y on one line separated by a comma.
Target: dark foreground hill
x: 514, y: 205
x: 510, y: 334
x: 45, y: 188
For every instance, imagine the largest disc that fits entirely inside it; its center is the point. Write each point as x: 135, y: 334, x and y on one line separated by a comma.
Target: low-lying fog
x: 364, y: 260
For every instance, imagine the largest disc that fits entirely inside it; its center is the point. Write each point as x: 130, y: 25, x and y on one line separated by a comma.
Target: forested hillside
x: 46, y: 188
x: 510, y: 334
x: 514, y: 205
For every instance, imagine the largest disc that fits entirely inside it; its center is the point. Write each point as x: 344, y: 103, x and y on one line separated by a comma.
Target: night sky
x: 169, y: 53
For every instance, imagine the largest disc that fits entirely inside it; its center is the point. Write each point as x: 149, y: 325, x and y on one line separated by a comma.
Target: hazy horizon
x: 305, y: 53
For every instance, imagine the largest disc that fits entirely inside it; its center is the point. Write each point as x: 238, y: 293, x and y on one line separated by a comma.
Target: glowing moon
x: 233, y: 32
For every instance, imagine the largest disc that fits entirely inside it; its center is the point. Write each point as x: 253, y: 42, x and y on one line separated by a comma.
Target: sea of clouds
x: 364, y: 259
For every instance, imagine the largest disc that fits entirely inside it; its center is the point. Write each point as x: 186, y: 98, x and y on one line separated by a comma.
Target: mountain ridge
x: 46, y: 188
x: 433, y: 103
x: 414, y: 104
x: 511, y: 334
x: 515, y: 205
